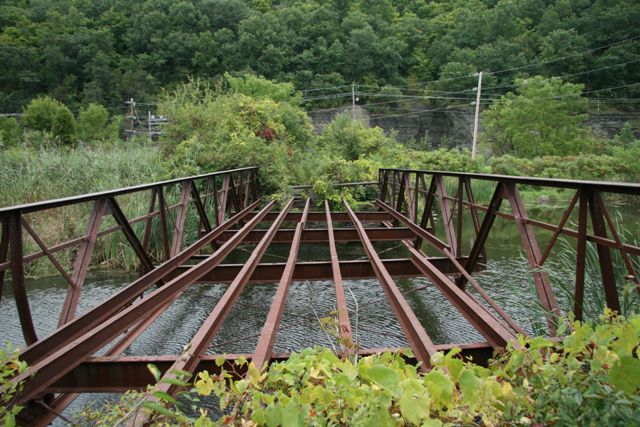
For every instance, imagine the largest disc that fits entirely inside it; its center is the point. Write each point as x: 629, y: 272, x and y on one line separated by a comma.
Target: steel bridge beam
x: 322, y: 270
x: 118, y: 374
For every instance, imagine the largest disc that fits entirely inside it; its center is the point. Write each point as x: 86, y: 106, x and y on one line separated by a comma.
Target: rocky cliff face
x: 453, y: 128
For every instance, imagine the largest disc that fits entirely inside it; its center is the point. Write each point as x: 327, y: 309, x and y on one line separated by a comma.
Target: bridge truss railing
x: 219, y: 192
x: 418, y: 194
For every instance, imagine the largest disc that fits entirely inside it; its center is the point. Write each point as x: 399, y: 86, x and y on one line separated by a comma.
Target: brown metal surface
x: 421, y: 344
x: 264, y: 347
x: 64, y: 361
x: 343, y: 313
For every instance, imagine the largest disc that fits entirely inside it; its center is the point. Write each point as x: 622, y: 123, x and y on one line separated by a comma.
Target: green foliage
x: 10, y: 366
x: 9, y: 132
x: 539, y: 120
x: 83, y: 52
x: 48, y: 115
x: 587, y: 166
x: 592, y: 376
x: 211, y: 129
x: 93, y: 124
x: 352, y: 140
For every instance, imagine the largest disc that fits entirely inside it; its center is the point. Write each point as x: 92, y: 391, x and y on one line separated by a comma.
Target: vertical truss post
x: 202, y: 212
x: 215, y: 201
x: 81, y: 264
x: 178, y: 232
x: 416, y: 335
x: 341, y: 301
x: 383, y: 177
x: 401, y: 192
x: 483, y: 233
x: 18, y: 280
x: 446, y: 210
x: 459, y: 218
x: 604, y: 255
x: 4, y: 251
x: 262, y: 354
x: 410, y: 196
x: 581, y: 255
x: 532, y: 250
x: 164, y: 228
x: 224, y: 198
x: 254, y: 184
x: 146, y: 235
x: 428, y: 207
x: 130, y: 235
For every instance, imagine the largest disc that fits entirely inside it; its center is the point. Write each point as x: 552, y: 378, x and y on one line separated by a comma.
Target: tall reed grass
x: 28, y: 175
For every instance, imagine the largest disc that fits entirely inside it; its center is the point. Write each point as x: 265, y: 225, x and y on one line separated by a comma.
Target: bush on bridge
x: 216, y: 128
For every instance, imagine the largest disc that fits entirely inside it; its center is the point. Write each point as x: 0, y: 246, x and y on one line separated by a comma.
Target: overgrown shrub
x: 48, y: 115
x: 211, y: 129
x: 9, y: 132
x: 94, y: 125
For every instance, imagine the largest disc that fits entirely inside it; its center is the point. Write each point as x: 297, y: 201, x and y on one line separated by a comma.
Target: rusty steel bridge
x: 230, y: 213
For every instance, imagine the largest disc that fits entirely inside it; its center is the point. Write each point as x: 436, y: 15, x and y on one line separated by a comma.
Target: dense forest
x: 105, y: 51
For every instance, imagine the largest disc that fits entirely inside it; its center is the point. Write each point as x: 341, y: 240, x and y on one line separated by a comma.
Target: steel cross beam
x: 70, y: 354
x: 267, y: 338
x: 420, y: 342
x: 463, y: 301
x: 210, y: 327
x: 111, y: 306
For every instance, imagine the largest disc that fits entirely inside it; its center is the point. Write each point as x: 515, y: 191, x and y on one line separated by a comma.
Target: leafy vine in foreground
x: 591, y: 378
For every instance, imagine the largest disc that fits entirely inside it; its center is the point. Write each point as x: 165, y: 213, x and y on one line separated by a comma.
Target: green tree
x: 93, y: 124
x: 543, y: 117
x: 48, y: 115
x: 9, y: 132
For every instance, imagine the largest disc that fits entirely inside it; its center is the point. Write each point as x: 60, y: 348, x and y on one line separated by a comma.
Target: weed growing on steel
x: 10, y: 366
x: 592, y: 376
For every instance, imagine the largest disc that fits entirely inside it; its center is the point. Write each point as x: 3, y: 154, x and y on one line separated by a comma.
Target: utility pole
x: 149, y: 122
x: 475, y: 123
x: 353, y: 101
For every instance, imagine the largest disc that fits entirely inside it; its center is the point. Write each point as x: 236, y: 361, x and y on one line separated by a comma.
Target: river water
x: 506, y: 279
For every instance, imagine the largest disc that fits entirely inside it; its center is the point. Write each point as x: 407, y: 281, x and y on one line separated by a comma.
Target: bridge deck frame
x: 226, y: 204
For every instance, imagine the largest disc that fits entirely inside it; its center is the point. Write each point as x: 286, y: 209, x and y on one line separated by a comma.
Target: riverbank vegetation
x: 247, y: 120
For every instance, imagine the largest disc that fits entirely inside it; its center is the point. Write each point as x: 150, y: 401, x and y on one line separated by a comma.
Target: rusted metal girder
x: 322, y: 270
x: 262, y: 354
x: 126, y: 296
x: 53, y: 365
x: 210, y: 327
x: 319, y: 216
x: 466, y: 305
x: 321, y: 235
x: 344, y: 324
x: 119, y: 374
x: 420, y: 342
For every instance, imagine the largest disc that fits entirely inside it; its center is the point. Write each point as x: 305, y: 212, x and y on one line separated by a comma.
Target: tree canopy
x: 80, y: 52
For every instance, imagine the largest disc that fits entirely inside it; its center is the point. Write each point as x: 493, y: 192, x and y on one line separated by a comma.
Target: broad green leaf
x: 156, y: 407
x: 154, y: 371
x: 626, y: 374
x: 386, y: 378
x: 291, y: 415
x: 165, y: 396
x: 439, y: 385
x: 241, y: 386
x: 414, y: 409
x: 469, y: 384
x: 204, y: 384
